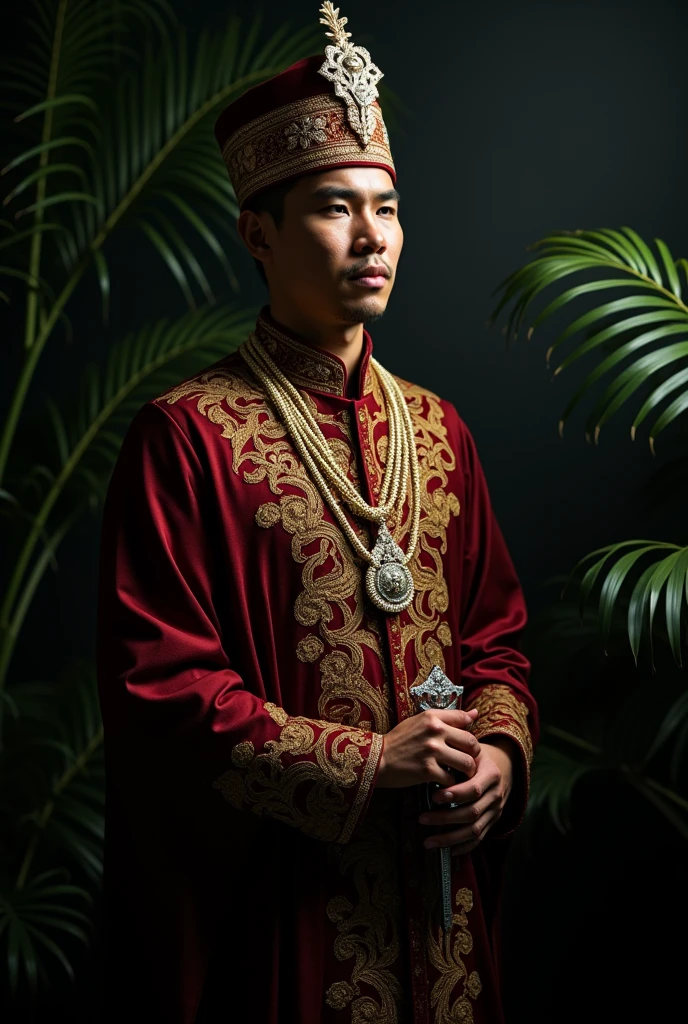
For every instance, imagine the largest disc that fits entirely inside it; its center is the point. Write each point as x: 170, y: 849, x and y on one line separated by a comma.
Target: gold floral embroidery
x: 309, y: 648
x: 268, y: 514
x: 242, y: 754
x: 331, y: 602
x: 306, y: 130
x: 269, y: 785
x: 260, y: 153
x: 332, y: 598
x: 426, y: 629
x: 369, y: 932
x: 339, y: 995
x: 445, y: 951
x: 431, y: 600
x: 501, y: 712
x: 444, y: 634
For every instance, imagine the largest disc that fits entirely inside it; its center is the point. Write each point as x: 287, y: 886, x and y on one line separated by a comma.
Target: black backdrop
x: 518, y: 117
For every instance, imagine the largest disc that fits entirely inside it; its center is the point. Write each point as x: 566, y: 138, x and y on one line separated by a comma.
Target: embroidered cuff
x: 316, y: 776
x: 500, y: 712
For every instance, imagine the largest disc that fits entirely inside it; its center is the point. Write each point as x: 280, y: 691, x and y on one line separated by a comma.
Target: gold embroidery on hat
x: 305, y: 131
x: 270, y: 148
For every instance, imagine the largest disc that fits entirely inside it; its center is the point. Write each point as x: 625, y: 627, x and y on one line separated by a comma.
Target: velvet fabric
x: 290, y: 125
x: 297, y: 82
x: 247, y: 683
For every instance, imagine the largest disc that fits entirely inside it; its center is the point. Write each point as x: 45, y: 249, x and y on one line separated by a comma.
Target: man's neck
x: 343, y: 340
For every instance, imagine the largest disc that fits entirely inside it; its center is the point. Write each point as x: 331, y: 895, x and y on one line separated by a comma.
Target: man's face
x: 335, y: 253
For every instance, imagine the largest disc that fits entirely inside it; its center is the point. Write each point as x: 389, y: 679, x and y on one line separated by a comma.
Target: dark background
x: 516, y: 118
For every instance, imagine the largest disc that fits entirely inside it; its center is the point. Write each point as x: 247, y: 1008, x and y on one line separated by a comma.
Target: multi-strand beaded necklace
x: 388, y: 580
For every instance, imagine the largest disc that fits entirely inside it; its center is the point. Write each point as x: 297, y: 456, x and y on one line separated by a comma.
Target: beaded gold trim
x: 296, y: 139
x: 369, y: 772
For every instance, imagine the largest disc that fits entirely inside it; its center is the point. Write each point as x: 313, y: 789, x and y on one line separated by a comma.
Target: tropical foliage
x: 633, y: 328
x: 113, y: 105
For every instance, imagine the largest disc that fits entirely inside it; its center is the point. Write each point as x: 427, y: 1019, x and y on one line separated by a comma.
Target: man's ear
x: 253, y: 231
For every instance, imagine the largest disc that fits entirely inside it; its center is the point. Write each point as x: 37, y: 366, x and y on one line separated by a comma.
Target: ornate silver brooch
x: 352, y: 72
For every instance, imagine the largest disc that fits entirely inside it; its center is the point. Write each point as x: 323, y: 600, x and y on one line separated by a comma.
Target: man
x: 293, y: 540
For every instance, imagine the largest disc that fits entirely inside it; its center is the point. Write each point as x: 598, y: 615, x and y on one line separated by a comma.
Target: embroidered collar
x: 309, y: 367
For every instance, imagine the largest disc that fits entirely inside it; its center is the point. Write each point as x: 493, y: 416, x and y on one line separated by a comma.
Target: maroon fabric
x: 295, y: 83
x: 226, y: 590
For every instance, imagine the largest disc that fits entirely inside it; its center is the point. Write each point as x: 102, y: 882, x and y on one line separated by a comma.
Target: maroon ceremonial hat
x: 318, y: 114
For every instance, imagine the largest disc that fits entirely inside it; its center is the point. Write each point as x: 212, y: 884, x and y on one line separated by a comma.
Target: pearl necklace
x: 388, y: 580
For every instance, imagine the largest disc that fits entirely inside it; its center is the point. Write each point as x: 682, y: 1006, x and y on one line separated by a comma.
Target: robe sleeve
x: 494, y: 672
x: 165, y: 666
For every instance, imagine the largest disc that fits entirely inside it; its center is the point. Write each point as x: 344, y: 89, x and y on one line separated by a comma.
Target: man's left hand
x: 482, y: 799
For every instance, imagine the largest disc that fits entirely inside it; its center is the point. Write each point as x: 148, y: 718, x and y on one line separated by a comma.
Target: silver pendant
x: 388, y: 580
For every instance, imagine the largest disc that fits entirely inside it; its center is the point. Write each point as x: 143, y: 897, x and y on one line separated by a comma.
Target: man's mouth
x: 371, y: 277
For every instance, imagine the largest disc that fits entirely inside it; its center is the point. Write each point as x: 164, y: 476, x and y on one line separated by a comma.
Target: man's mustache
x: 358, y: 269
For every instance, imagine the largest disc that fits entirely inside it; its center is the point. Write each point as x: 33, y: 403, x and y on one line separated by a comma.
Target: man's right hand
x: 422, y: 747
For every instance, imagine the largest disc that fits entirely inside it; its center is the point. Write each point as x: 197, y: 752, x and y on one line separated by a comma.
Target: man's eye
x: 337, y: 208
x: 387, y: 210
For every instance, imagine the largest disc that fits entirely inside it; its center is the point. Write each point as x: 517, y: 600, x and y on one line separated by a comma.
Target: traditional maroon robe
x: 246, y: 685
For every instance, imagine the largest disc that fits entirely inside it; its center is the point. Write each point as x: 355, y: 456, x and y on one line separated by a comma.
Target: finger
x: 457, y: 719
x: 466, y: 834
x: 463, y: 815
x: 486, y: 776
x: 463, y: 740
x: 463, y: 848
x: 449, y: 757
x: 439, y: 775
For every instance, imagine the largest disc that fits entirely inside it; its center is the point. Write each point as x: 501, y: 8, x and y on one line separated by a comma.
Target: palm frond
x: 647, y: 329
x: 157, y: 151
x: 34, y: 919
x: 555, y: 775
x: 88, y: 428
x: 674, y: 725
x: 57, y: 743
x: 613, y: 566
x: 73, y: 47
x: 87, y: 433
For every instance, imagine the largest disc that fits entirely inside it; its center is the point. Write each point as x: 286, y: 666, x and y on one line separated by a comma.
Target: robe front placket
x: 443, y: 982
x: 414, y: 898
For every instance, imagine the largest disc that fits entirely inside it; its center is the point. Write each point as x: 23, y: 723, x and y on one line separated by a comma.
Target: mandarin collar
x: 310, y: 367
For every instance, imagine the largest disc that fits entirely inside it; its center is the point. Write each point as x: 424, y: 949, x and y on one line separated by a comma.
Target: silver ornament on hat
x: 352, y: 72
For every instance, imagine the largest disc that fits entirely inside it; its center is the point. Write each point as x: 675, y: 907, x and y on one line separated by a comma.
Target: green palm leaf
x: 86, y: 434
x: 554, y: 779
x: 674, y: 724
x: 665, y: 577
x: 157, y: 145
x: 33, y: 917
x: 152, y: 138
x: 640, y: 325
x: 556, y: 772
x: 59, y: 733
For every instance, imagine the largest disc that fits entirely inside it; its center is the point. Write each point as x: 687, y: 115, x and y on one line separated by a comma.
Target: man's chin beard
x: 361, y: 313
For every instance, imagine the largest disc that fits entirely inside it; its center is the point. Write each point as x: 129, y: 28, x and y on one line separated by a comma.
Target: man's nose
x: 370, y: 240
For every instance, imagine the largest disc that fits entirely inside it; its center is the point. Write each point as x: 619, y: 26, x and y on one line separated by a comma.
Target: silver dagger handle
x: 440, y: 693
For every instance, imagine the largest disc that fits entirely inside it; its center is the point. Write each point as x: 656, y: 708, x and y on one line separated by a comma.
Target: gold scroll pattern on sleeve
x: 453, y: 993
x: 500, y: 712
x: 268, y: 782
